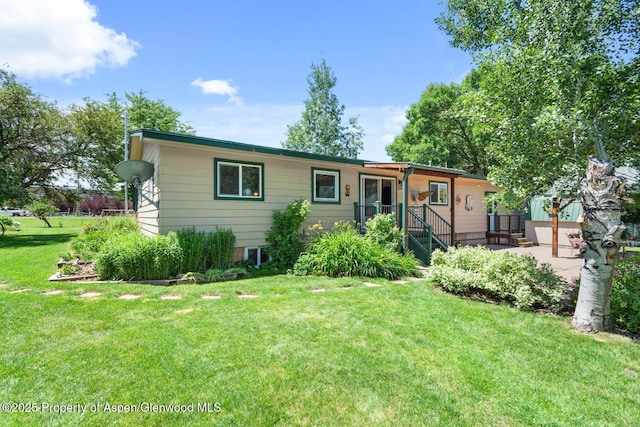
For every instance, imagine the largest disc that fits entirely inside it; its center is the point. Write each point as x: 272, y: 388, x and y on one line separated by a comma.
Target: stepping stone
x: 399, y: 282
x: 317, y: 290
x: 371, y: 285
x: 54, y: 292
x: 184, y: 311
x: 129, y: 296
x: 17, y: 291
x: 347, y: 287
x: 170, y: 297
x: 210, y: 296
x: 90, y: 294
x: 247, y: 296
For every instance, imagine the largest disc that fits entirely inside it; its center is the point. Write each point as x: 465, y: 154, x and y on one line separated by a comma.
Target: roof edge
x: 240, y: 146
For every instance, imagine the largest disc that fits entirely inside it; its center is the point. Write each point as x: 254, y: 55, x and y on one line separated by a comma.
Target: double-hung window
x: 238, y: 180
x: 326, y: 185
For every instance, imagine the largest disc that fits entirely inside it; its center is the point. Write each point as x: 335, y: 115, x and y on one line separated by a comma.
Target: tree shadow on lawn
x: 19, y: 240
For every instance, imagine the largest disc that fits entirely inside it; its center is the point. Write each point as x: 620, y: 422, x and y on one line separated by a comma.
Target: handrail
x: 441, y: 227
x: 425, y: 228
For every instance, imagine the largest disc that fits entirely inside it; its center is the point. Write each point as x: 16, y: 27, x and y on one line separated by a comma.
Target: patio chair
x: 575, y: 240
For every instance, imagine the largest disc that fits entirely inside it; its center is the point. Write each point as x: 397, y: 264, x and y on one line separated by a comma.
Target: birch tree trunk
x: 601, y: 232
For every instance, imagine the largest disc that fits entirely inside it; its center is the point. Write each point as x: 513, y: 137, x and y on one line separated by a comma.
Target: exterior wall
x: 181, y: 193
x: 471, y: 221
x: 186, y: 189
x: 539, y: 232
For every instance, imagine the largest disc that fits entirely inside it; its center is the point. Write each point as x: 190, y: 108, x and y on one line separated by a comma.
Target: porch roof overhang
x: 418, y: 169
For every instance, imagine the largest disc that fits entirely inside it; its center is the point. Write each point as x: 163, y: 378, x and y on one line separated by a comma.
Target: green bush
x: 194, y: 250
x: 220, y: 249
x: 383, y: 230
x: 625, y: 295
x: 95, y: 235
x: 499, y: 275
x: 345, y: 252
x: 284, y: 236
x: 137, y: 257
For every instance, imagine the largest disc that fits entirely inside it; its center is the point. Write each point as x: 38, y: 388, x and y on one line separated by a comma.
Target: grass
x: 398, y: 354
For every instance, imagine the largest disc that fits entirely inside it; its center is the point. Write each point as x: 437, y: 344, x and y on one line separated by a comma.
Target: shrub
x: 284, y: 236
x: 95, y: 235
x: 137, y: 257
x: 194, y: 249
x: 220, y: 248
x: 625, y: 295
x: 383, y: 230
x: 499, y: 275
x: 345, y: 252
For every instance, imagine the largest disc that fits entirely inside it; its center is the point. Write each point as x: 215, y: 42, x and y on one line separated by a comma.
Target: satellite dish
x: 135, y: 171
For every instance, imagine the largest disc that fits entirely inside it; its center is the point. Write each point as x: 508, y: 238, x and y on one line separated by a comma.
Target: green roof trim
x: 231, y: 145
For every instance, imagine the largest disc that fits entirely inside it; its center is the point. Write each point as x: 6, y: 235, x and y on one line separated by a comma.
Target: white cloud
x: 58, y: 39
x: 218, y: 87
x: 266, y: 124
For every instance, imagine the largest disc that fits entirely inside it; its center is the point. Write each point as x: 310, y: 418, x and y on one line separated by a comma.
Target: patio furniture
x: 575, y: 240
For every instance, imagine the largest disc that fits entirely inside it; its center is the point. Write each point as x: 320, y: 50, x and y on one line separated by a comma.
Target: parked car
x: 14, y: 212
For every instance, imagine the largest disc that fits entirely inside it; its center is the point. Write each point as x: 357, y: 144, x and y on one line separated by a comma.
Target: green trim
x: 230, y: 145
x: 313, y: 186
x: 217, y: 196
x: 438, y: 203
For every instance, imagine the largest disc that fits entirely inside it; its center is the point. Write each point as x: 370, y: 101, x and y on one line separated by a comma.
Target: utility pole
x: 125, y: 116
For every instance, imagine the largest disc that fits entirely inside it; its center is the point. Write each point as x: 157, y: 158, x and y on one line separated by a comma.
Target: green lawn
x: 352, y: 355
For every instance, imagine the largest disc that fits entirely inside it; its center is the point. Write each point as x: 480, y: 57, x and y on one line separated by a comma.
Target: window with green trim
x: 326, y: 186
x: 238, y: 180
x: 439, y: 193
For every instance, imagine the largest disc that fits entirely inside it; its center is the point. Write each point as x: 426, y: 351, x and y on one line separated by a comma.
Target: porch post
x: 405, y: 208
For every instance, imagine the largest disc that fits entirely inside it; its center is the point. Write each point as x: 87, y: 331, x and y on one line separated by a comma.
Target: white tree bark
x: 602, y: 229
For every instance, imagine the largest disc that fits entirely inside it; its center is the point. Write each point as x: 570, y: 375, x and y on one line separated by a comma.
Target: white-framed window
x: 238, y: 180
x: 325, y: 186
x: 440, y: 193
x: 256, y: 254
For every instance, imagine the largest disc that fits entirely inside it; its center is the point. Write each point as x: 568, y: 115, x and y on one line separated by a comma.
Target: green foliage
x: 383, y: 230
x: 194, y: 248
x: 284, y: 236
x: 33, y: 145
x: 95, y: 235
x: 42, y: 211
x: 442, y: 129
x: 625, y: 295
x: 559, y: 85
x: 345, y: 252
x: 138, y: 257
x: 320, y: 130
x: 220, y: 248
x: 499, y: 275
x: 7, y: 223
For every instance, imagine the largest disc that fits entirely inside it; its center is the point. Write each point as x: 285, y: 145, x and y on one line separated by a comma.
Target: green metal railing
x: 441, y: 227
x: 426, y: 230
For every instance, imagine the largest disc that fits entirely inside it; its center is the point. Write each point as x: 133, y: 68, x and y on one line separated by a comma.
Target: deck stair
x: 519, y: 240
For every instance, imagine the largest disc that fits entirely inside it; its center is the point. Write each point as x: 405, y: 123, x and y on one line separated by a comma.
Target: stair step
x: 525, y: 244
x: 521, y: 239
x: 516, y: 235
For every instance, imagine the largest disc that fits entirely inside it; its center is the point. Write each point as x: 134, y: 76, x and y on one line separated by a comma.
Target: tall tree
x: 321, y: 130
x: 35, y: 143
x: 153, y: 114
x: 560, y: 86
x: 442, y: 129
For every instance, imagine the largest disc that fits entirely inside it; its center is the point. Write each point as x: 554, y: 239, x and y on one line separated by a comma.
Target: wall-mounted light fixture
x: 347, y: 190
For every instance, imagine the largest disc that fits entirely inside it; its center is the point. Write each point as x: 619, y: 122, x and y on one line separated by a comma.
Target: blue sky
x: 237, y: 70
